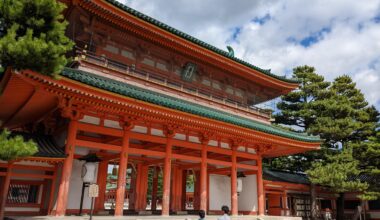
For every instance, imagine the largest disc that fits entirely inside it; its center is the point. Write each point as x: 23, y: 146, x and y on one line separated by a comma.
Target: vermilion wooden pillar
x: 197, y: 187
x: 166, y: 180
x: 183, y: 189
x: 176, y: 192
x: 121, y: 177
x: 260, y: 187
x: 52, y: 190
x: 132, y: 190
x: 102, y: 182
x: 173, y: 190
x: 64, y: 186
x: 154, y: 188
x: 138, y: 189
x: 141, y: 193
x: 234, y: 196
x: 203, y: 178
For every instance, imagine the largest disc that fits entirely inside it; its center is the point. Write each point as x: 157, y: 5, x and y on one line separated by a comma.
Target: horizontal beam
x: 186, y: 157
x: 219, y: 162
x: 100, y: 129
x: 146, y: 152
x: 27, y: 167
x: 28, y: 175
x: 247, y: 166
x: 97, y: 145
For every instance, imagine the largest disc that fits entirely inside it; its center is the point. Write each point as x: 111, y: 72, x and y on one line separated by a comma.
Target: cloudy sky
x: 336, y: 37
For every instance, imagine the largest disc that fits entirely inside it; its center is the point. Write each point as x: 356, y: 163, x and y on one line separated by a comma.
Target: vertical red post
x: 154, y: 189
x: 52, y: 190
x: 43, y: 210
x: 64, y: 185
x: 173, y: 190
x: 143, y: 187
x: 197, y: 187
x: 166, y: 181
x: 102, y: 182
x: 121, y: 177
x: 234, y: 196
x: 7, y: 182
x: 203, y: 179
x: 138, y: 189
x: 132, y: 191
x: 183, y: 189
x: 260, y: 187
x: 178, y: 190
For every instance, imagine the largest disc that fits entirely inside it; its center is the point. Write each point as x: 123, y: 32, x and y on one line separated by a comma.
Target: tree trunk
x: 340, y: 207
x: 3, y: 200
x: 313, y: 198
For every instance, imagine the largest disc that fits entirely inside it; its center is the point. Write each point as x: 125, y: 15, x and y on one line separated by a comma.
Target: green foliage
x: 13, y: 148
x: 368, y: 153
x: 337, y: 173
x: 294, y: 106
x: 32, y: 35
x: 343, y: 115
x: 340, y: 115
x: 296, y: 112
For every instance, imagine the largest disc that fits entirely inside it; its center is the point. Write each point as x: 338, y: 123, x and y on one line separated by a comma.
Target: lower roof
x: 47, y: 147
x: 285, y: 176
x: 178, y: 104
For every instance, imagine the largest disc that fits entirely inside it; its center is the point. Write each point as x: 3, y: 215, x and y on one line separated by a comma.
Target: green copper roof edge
x: 196, y: 40
x: 178, y: 104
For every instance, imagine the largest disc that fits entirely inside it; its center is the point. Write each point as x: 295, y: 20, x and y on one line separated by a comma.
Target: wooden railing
x: 131, y: 70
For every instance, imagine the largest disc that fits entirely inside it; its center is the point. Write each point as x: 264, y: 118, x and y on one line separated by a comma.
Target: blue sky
x: 336, y: 37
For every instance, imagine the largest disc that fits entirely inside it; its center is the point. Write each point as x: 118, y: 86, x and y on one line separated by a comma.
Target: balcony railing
x: 131, y: 70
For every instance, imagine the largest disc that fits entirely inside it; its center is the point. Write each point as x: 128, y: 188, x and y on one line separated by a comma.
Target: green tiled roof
x: 196, y: 41
x: 178, y: 104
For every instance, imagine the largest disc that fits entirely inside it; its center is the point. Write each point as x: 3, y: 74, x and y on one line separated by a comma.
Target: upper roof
x: 179, y: 104
x: 194, y: 40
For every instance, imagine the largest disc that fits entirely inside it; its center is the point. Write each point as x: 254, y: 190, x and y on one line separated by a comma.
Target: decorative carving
x: 171, y: 129
x: 231, y: 52
x: 206, y: 136
x: 236, y: 142
x: 128, y: 122
x: 262, y: 148
x: 68, y: 110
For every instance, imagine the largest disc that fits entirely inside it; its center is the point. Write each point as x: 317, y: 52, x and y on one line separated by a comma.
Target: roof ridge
x: 178, y: 104
x: 197, y: 41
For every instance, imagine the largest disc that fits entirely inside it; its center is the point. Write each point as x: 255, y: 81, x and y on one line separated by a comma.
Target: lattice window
x: 23, y: 193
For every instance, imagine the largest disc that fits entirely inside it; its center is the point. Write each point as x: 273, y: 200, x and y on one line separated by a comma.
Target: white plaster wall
x: 247, y: 200
x: 76, y: 188
x: 220, y: 191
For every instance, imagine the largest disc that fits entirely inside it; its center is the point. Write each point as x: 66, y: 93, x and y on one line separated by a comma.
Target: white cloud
x: 345, y: 39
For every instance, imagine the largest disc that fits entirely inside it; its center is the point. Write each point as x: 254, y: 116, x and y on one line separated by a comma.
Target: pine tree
x: 11, y: 149
x: 368, y: 154
x: 337, y: 172
x: 295, y: 112
x: 32, y: 35
x: 343, y: 117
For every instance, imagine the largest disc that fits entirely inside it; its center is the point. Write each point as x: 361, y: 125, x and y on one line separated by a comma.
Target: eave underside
x: 94, y: 99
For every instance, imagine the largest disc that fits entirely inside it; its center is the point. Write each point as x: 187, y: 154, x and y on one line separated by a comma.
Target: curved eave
x: 122, y: 16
